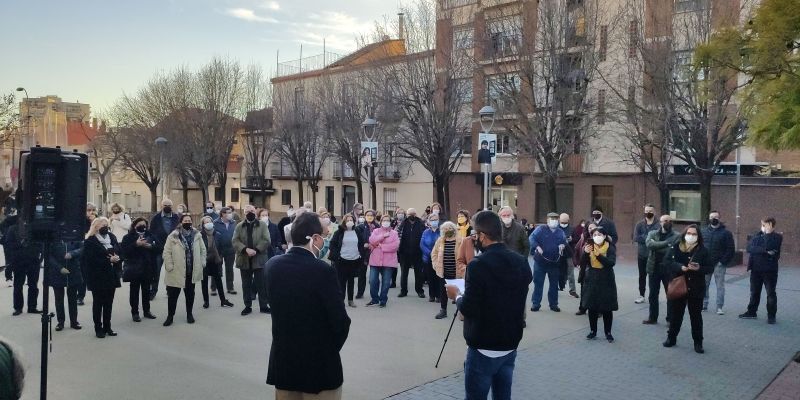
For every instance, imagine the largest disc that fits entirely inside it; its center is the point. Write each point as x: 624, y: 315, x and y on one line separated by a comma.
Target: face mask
x: 435, y: 212
x: 597, y: 216
x: 477, y: 244
x: 116, y: 211
x: 186, y: 225
x: 290, y: 213
x: 265, y: 220
x: 370, y: 218
x: 649, y: 215
x: 209, y: 226
x: 228, y: 217
x: 103, y: 231
x: 507, y: 220
x: 180, y: 210
x: 766, y: 230
x: 714, y: 221
x: 667, y: 227
x: 434, y: 225
x: 209, y: 210
x: 462, y: 219
x: 691, y: 239
x: 386, y: 224
x: 313, y: 247
x: 598, y: 240
x: 251, y: 216
x: 141, y: 229
x: 412, y: 217
x: 349, y: 224
x: 361, y: 220
x: 449, y: 234
x: 552, y: 223
x: 326, y: 221
x: 564, y: 226
x: 167, y: 210
x: 401, y: 217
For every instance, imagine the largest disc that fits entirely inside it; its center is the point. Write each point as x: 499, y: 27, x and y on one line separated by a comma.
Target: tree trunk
x: 446, y: 203
x: 359, y: 189
x: 705, y: 177
x: 439, y: 182
x: 223, y: 184
x: 300, y: 192
x: 185, y: 190
x: 153, y: 197
x: 663, y: 195
x: 204, y: 191
x: 550, y: 187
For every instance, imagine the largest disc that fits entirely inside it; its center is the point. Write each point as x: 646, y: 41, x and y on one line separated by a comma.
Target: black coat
x: 309, y: 323
x: 409, y: 250
x: 100, y: 273
x: 55, y: 261
x: 157, y: 229
x: 719, y: 242
x: 610, y: 228
x: 695, y: 280
x: 140, y: 262
x: 760, y: 247
x: 21, y: 254
x: 599, y: 288
x: 335, y: 247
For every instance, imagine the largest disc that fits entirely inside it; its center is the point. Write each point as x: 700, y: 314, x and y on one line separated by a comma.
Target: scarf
x: 598, y: 251
x: 106, y: 242
x: 463, y: 230
x: 686, y: 247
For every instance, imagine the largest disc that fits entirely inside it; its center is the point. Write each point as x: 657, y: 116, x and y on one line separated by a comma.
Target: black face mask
x: 597, y: 216
x: 649, y: 215
x: 251, y: 216
x: 714, y: 221
x: 187, y: 225
x: 667, y: 227
x: 478, y: 246
x: 141, y: 229
x: 103, y: 231
x: 167, y: 210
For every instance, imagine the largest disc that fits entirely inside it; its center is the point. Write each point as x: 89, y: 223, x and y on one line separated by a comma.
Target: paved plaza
x: 391, y: 352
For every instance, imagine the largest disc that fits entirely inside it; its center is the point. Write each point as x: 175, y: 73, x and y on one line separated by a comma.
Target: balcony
x: 257, y: 184
x: 281, y: 170
x: 388, y: 172
x: 502, y: 45
x: 342, y: 171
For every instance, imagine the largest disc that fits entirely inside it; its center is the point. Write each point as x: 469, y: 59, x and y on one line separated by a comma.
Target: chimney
x: 401, y: 26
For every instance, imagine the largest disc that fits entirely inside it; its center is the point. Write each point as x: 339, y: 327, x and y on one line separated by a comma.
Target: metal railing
x: 306, y: 64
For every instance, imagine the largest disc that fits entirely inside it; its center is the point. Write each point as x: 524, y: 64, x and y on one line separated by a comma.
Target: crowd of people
x: 366, y: 248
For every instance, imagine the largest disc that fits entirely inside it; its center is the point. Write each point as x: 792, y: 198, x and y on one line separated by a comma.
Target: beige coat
x: 175, y: 259
x: 437, y: 257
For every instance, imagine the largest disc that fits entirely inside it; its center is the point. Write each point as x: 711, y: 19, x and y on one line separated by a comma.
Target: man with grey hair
x: 514, y: 235
x: 287, y: 230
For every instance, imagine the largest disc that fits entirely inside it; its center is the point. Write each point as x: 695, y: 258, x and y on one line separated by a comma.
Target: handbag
x: 677, y: 288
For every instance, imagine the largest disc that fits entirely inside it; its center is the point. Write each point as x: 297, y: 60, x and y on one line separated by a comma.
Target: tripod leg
x: 455, y: 315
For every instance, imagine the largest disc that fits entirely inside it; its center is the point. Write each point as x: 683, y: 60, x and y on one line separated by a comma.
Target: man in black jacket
x: 162, y: 224
x: 309, y: 321
x: 643, y: 227
x: 765, y: 251
x: 493, y: 306
x: 607, y: 224
x: 410, y: 254
x: 719, y: 242
x: 26, y: 260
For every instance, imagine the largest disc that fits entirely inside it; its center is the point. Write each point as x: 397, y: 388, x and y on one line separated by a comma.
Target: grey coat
x: 659, y: 246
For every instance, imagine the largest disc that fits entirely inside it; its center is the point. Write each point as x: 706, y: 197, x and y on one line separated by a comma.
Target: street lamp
x: 161, y: 143
x: 370, y: 126
x: 486, y: 115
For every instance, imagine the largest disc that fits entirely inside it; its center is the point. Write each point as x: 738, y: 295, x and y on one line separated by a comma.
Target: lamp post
x: 370, y: 125
x: 486, y: 115
x: 161, y: 143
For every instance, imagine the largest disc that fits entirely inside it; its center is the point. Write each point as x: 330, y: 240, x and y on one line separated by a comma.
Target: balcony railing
x: 503, y: 45
x: 338, y: 173
x: 388, y: 172
x: 257, y: 182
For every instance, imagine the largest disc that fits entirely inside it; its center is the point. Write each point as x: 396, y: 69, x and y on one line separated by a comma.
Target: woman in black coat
x: 101, y: 262
x: 65, y: 277
x: 599, y: 289
x: 349, y: 262
x: 213, y: 267
x: 688, y: 258
x: 138, y: 249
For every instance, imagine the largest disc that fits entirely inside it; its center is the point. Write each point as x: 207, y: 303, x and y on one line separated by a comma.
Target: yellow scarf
x: 598, y: 251
x: 686, y: 247
x: 463, y: 230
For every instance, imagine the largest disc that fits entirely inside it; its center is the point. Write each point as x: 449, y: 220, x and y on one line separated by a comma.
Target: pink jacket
x: 383, y: 249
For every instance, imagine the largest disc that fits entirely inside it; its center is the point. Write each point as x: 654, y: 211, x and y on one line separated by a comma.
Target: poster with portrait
x: 487, y: 148
x: 369, y: 153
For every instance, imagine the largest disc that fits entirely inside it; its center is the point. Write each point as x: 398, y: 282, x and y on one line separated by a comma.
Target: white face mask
x: 313, y: 247
x: 209, y: 226
x: 386, y: 224
x: 349, y: 224
x: 180, y: 210
x: 265, y: 220
x: 326, y: 221
x: 564, y: 225
x: 401, y: 217
x: 552, y: 223
x: 598, y: 240
x: 361, y: 220
x: 435, y: 212
x: 507, y: 220
x: 691, y: 239
x: 290, y: 213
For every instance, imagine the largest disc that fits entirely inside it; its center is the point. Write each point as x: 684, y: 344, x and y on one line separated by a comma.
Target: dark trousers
x: 29, y: 274
x: 656, y: 281
x: 361, y: 274
x: 443, y: 300
x: 642, y: 275
x: 102, y: 303
x: 252, y: 283
x: 140, y: 287
x: 768, y: 280
x: 433, y: 280
x: 82, y: 290
x: 346, y: 270
x: 72, y: 303
x: 405, y: 266
x: 172, y: 298
x: 608, y: 320
x: 229, y: 258
x: 678, y: 307
x: 8, y: 273
x: 216, y: 281
x: 394, y: 278
x: 154, y: 285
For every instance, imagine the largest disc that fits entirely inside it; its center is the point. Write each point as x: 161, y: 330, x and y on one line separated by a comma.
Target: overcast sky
x: 93, y: 50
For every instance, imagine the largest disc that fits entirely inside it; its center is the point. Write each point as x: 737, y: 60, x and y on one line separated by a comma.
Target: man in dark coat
x: 643, y: 227
x: 26, y: 259
x: 719, y: 242
x: 162, y: 224
x: 608, y: 225
x: 225, y: 226
x: 7, y: 223
x: 765, y: 251
x: 659, y: 243
x: 410, y: 254
x: 309, y: 321
x: 64, y: 276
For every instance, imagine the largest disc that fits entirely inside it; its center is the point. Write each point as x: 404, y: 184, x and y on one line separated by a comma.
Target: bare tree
x: 105, y: 150
x: 258, y: 133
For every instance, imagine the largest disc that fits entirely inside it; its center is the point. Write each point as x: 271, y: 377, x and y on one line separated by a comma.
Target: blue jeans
x: 719, y: 278
x: 379, y: 290
x: 539, y: 272
x: 482, y: 372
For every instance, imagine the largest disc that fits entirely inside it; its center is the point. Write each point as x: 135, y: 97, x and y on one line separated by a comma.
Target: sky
x: 93, y: 51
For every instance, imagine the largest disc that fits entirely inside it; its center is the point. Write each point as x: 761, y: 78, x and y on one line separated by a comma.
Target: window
x: 464, y: 90
x: 504, y: 36
x: 633, y: 38
x: 504, y: 144
x: 689, y: 5
x: 603, y: 197
x: 603, y: 42
x: 299, y: 100
x: 501, y: 90
x: 234, y: 195
x: 349, y: 198
x: 342, y: 170
x: 219, y: 194
x: 564, y: 200
x: 457, y: 3
x: 683, y: 69
x: 684, y: 205
x: 631, y: 108
x: 463, y: 38
x: 286, y: 197
x: 389, y: 200
x: 329, y: 195
x: 466, y: 143
x: 601, y: 107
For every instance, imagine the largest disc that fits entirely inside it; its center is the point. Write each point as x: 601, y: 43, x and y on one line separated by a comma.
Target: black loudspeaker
x: 53, y: 194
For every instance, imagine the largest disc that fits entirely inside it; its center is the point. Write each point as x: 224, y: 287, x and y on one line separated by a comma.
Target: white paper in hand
x: 459, y: 283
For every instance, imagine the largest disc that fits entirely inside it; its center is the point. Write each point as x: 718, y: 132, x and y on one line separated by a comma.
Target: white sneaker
x: 720, y: 312
x: 639, y: 300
